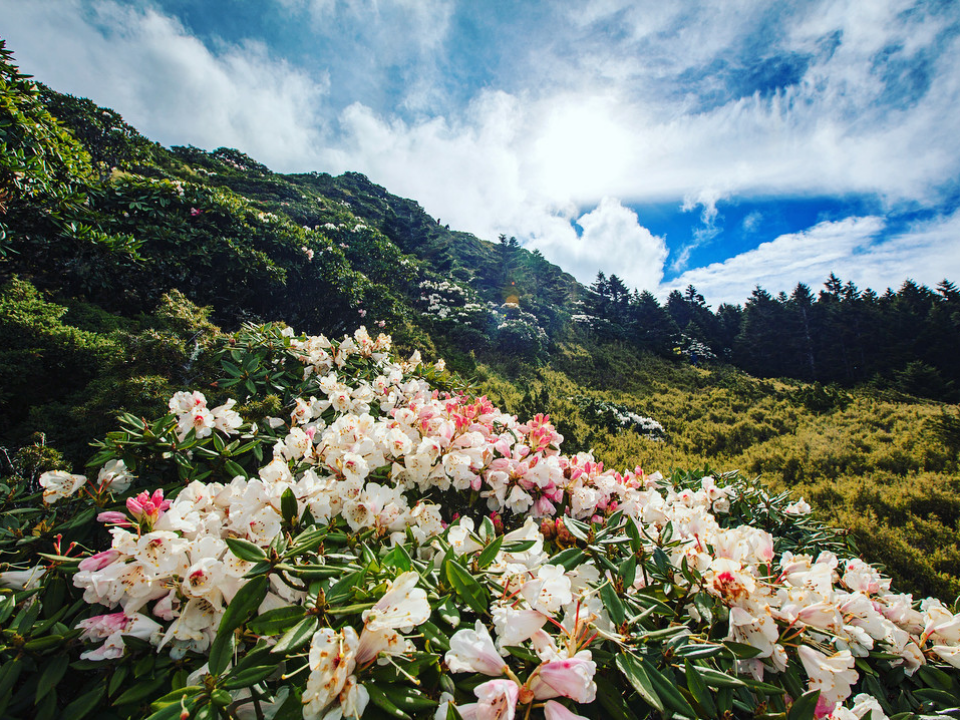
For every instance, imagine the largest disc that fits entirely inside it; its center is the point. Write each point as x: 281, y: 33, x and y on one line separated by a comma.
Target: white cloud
x: 613, y: 241
x: 926, y: 252
x: 166, y: 82
x: 807, y: 257
x: 752, y: 221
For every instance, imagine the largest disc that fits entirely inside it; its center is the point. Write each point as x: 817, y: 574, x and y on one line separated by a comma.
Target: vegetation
x: 130, y: 272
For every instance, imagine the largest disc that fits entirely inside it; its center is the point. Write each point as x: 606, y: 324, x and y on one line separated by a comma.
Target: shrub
x: 391, y: 546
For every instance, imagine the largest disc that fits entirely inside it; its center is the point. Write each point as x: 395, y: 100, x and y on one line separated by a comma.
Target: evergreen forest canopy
x: 132, y: 274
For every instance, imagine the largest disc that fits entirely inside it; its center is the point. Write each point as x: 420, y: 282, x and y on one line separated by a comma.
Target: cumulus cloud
x: 854, y: 248
x: 166, y: 82
x: 612, y: 241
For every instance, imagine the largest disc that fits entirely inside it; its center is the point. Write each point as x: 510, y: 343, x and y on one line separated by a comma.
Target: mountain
x: 125, y: 267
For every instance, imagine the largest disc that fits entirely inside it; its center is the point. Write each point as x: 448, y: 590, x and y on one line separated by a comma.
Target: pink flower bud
x: 100, y: 560
x: 114, y: 517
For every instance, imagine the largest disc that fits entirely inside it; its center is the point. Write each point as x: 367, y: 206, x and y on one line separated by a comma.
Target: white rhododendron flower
x: 553, y: 710
x: 496, y: 700
x: 474, y: 651
x: 332, y: 659
x: 800, y: 507
x: 22, y: 579
x: 115, y: 477
x: 550, y: 591
x: 403, y: 607
x: 832, y: 675
x: 58, y: 484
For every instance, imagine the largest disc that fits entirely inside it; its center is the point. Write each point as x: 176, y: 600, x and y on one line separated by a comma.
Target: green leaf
x: 379, y: 698
x: 466, y: 586
x: 297, y: 636
x: 43, y: 643
x: 435, y: 635
x: 488, y: 527
x: 803, y: 708
x: 315, y: 572
x: 52, y: 674
x: 175, y: 696
x: 939, y: 696
x: 448, y: 612
x: 612, y: 699
x: 234, y: 469
x: 274, y: 622
x: 742, y: 651
x: 117, y: 679
x: 637, y: 676
x: 576, y: 528
x: 628, y: 571
x: 353, y: 609
x: 244, y: 603
x: 343, y: 589
x: 717, y: 679
x: 83, y: 705
x: 307, y: 541
x: 489, y: 553
x: 636, y: 541
x: 9, y: 673
x: 667, y: 690
x: 698, y: 651
x: 288, y: 507
x: 399, y: 558
x: 249, y: 676
x: 569, y: 558
x: 523, y: 653
x: 408, y: 699
x: 246, y: 550
x: 613, y: 604
x: 171, y: 711
x: 141, y: 691
x: 698, y: 688
x: 519, y: 546
x: 222, y: 649
x: 662, y: 562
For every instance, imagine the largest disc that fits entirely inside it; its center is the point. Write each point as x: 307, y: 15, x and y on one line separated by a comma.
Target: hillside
x: 125, y: 263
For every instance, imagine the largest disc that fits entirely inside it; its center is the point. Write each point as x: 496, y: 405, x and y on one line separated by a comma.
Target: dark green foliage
x: 71, y: 382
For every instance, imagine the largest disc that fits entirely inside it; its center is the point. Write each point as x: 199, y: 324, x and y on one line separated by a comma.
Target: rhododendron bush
x: 345, y: 534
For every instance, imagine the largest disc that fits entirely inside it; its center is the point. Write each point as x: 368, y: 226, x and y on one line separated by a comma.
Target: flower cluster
x: 194, y: 416
x: 344, y: 532
x: 448, y: 301
x: 617, y: 418
x: 57, y: 484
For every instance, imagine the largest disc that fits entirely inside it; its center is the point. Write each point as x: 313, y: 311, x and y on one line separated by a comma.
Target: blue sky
x: 723, y: 143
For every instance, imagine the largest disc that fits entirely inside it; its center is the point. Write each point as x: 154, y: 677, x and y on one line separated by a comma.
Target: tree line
x: 908, y: 339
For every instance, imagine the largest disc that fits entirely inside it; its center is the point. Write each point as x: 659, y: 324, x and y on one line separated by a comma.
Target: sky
x: 720, y: 143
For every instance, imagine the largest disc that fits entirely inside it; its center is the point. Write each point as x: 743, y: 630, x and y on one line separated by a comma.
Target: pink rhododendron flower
x: 147, y: 507
x: 570, y: 677
x: 555, y: 711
